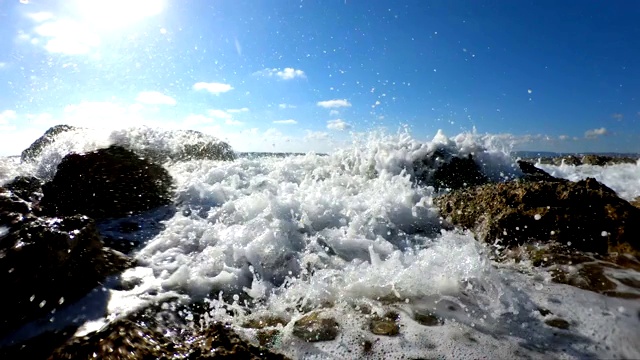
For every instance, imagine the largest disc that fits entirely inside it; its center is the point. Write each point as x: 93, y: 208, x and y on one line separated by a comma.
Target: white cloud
x: 155, y: 98
x: 233, y: 122
x: 285, y: 122
x: 219, y: 114
x: 67, y: 37
x: 594, y: 133
x: 3, y: 65
x: 338, y: 124
x: 290, y: 73
x: 6, y: 116
x: 563, y: 137
x: 40, y: 16
x: 334, y: 112
x: 286, y: 106
x: 284, y: 74
x: 316, y: 135
x: 617, y: 116
x: 337, y: 103
x: 103, y: 114
x: 241, y: 110
x: 214, y: 88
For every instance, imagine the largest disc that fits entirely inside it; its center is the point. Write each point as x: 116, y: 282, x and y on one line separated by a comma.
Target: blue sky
x: 304, y: 75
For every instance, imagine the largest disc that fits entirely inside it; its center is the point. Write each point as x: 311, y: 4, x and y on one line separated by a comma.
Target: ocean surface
x: 279, y: 235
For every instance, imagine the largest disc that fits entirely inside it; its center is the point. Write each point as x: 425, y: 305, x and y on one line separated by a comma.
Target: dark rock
x: 588, y: 159
x: 457, y: 174
x: 48, y: 262
x: 587, y: 277
x: 49, y: 136
x: 603, y: 160
x: 442, y: 170
x: 558, y: 323
x: 13, y: 209
x: 635, y: 202
x: 130, y: 339
x: 427, y: 318
x: 570, y: 160
x: 27, y: 188
x: 533, y: 173
x: 585, y: 215
x: 313, y: 327
x: 106, y: 183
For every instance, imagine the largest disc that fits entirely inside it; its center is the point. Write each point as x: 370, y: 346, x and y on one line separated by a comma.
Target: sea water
x: 345, y: 232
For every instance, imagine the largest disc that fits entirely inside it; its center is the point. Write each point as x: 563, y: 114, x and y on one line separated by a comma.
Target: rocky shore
x: 52, y: 252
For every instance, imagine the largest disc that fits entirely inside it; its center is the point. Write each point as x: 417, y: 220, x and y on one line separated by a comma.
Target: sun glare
x: 115, y: 14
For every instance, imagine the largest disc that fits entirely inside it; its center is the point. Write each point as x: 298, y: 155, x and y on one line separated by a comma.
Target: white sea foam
x: 624, y: 179
x: 352, y: 229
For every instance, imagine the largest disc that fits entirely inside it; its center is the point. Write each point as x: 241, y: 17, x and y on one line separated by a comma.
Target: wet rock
x: 544, y: 312
x: 587, y: 277
x: 588, y: 159
x: 570, y: 160
x: 458, y: 173
x: 603, y: 160
x: 48, y: 262
x: 558, y: 323
x: 106, y: 183
x: 156, y: 145
x: 584, y: 215
x: 427, y: 318
x: 442, y: 170
x: 386, y: 325
x: 13, y: 209
x: 621, y: 295
x: 179, y: 145
x: 146, y: 337
x: 315, y: 327
x: 263, y: 322
x: 27, y: 188
x: 533, y: 173
x: 47, y: 138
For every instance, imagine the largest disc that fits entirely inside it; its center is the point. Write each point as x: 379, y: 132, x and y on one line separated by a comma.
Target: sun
x: 116, y: 14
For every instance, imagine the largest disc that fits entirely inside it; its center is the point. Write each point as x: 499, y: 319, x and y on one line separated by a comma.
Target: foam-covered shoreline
x: 351, y: 236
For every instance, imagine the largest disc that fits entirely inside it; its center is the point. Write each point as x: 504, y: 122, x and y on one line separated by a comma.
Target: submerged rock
x: 314, y: 327
x: 386, y: 325
x: 427, y: 318
x: 106, y: 183
x: 585, y: 215
x: 128, y: 339
x: 558, y: 323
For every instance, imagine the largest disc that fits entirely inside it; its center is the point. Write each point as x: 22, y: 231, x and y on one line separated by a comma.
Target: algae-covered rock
x: 584, y: 215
